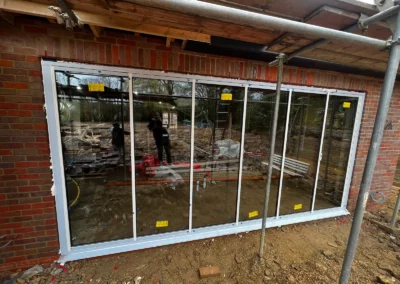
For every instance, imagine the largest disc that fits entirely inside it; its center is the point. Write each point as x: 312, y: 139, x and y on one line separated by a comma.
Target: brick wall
x: 26, y: 205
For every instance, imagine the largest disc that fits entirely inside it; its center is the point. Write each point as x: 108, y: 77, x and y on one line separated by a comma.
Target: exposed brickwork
x: 26, y: 205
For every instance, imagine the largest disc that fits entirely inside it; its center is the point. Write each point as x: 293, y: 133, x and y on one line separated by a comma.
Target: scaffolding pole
x: 281, y: 58
x: 395, y: 212
x: 383, y: 108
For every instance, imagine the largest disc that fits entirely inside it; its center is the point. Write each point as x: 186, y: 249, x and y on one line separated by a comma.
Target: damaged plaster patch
x: 53, y: 190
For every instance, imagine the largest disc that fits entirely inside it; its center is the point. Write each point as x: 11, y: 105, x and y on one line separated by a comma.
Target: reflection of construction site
x: 98, y: 171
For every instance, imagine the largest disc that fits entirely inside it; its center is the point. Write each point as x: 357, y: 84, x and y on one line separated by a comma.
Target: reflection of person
x: 161, y: 137
x: 117, y: 138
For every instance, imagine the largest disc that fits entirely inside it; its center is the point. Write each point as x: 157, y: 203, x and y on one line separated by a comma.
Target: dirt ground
x: 303, y: 253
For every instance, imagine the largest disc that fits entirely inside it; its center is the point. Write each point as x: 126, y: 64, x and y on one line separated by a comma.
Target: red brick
x: 32, y: 59
x: 40, y: 126
x: 5, y: 152
x: 15, y: 85
x: 31, y: 106
x: 11, y: 56
x: 34, y: 73
x: 42, y: 205
x: 29, y: 176
x: 15, y: 259
x: 32, y: 212
x: 14, y: 171
x: 31, y: 188
x: 209, y: 271
x: 19, y: 113
x: 6, y: 63
x: 26, y: 164
x: 11, y: 226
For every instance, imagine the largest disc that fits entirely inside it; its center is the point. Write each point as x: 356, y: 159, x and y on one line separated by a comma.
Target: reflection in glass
x: 94, y: 122
x: 336, y: 150
x: 302, y: 152
x: 218, y: 114
x: 162, y: 115
x: 259, y: 115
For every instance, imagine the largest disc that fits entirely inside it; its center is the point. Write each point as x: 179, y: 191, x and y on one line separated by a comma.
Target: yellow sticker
x: 253, y: 214
x: 161, y: 224
x: 346, y: 104
x: 226, y: 97
x: 96, y: 87
x: 298, y: 206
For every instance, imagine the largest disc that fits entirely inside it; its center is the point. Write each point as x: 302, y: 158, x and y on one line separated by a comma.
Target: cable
x: 78, y: 195
x: 381, y: 200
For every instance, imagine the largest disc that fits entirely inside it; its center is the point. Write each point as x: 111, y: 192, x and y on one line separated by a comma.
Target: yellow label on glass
x: 346, y: 104
x: 161, y: 224
x: 226, y: 97
x: 96, y: 87
x: 253, y: 214
x: 298, y: 206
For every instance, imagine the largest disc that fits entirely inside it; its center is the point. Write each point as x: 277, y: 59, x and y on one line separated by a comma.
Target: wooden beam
x: 168, y: 44
x: 184, y: 44
x: 96, y: 30
x: 106, y: 21
x: 7, y: 17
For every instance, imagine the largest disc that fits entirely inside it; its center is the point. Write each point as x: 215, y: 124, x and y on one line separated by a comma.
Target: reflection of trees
x: 76, y: 104
x: 162, y: 87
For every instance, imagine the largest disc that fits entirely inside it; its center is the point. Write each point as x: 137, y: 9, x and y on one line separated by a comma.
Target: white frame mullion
x: 133, y: 169
x: 320, y: 152
x: 278, y: 206
x: 56, y: 159
x: 246, y: 88
x: 192, y: 154
x: 353, y: 150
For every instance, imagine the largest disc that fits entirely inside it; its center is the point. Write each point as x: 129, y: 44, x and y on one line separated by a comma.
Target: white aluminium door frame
x: 69, y: 253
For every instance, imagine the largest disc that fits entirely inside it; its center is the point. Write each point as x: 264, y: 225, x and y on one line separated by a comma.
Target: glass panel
x: 94, y: 122
x: 219, y: 112
x: 302, y: 151
x: 259, y: 116
x: 336, y: 150
x: 162, y: 115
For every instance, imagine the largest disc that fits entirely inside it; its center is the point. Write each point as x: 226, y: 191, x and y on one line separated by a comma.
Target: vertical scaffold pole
x: 281, y: 58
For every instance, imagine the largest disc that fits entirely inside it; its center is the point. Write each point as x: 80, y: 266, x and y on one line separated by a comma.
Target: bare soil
x: 303, y: 253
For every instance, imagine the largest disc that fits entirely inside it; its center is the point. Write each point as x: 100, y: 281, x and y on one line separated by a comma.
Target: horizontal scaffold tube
x: 259, y: 21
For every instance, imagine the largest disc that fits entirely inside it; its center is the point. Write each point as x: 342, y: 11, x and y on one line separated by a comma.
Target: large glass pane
x: 259, y: 116
x: 336, y: 150
x: 302, y: 152
x: 219, y: 112
x: 162, y: 115
x: 94, y: 122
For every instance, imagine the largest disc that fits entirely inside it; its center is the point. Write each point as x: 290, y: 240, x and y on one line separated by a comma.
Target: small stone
x: 267, y: 279
x: 339, y: 243
x: 20, y: 281
x: 320, y: 267
x: 169, y: 258
x: 113, y: 282
x: 256, y: 268
x: 291, y: 279
x: 267, y: 272
x: 57, y: 271
x: 381, y: 240
x: 239, y: 258
x: 398, y: 257
x: 334, y: 245
x: 385, y: 279
x: 328, y: 254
